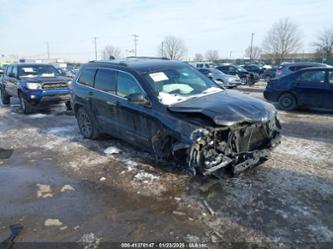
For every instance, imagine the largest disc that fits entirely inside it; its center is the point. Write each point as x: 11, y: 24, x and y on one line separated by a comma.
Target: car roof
x: 304, y: 64
x: 314, y: 68
x: 30, y: 64
x: 138, y: 64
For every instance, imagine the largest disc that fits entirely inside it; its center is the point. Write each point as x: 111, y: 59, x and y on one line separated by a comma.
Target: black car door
x: 104, y: 101
x: 311, y: 88
x: 7, y: 79
x: 134, y: 120
x: 13, y: 81
x: 329, y: 99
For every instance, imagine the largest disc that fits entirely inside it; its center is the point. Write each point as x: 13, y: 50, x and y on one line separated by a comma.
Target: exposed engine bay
x: 235, y: 148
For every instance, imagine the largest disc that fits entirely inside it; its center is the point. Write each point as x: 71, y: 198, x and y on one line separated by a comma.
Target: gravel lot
x: 62, y: 187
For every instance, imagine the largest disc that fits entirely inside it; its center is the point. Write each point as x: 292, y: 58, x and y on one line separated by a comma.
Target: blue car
x: 36, y: 85
x: 310, y: 87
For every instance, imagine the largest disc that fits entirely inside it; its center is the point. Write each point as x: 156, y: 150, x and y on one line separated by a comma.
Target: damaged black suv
x: 172, y: 110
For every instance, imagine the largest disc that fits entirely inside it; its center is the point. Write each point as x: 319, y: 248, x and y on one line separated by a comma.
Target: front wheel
x: 287, y: 102
x: 25, y: 105
x: 5, y: 98
x: 86, y: 124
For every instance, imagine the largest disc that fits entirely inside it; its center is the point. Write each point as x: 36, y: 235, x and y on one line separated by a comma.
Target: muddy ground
x: 62, y: 187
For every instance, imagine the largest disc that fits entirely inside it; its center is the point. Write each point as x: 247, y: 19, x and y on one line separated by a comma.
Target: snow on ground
x: 305, y: 149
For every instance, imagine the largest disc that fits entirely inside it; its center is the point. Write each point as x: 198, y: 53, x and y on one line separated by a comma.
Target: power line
x: 136, y: 39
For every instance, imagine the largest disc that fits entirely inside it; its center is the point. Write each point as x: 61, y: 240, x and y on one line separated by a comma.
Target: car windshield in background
x: 174, y: 85
x: 38, y: 71
x: 241, y: 69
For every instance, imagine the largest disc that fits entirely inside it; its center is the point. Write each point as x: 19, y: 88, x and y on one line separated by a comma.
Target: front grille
x: 58, y: 85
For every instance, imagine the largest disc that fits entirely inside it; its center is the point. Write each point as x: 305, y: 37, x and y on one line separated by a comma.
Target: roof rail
x: 147, y: 57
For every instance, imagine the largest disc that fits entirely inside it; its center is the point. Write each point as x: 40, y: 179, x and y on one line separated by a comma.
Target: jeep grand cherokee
x: 172, y: 110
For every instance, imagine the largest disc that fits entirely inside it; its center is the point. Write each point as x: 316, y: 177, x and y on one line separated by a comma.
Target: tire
x: 68, y: 106
x: 5, y: 98
x: 25, y: 105
x: 86, y: 124
x: 287, y: 102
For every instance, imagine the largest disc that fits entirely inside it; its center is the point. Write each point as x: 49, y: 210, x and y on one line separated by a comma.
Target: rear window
x: 87, y: 76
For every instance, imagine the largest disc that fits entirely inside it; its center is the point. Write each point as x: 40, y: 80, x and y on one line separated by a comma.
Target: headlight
x: 34, y: 86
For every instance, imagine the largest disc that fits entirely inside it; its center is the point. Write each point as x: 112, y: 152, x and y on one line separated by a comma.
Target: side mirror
x: 210, y: 76
x: 138, y: 99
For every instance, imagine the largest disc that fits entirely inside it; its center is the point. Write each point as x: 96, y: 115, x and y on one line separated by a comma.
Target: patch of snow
x: 112, y: 150
x: 52, y: 222
x: 146, y: 177
x: 90, y: 241
x: 61, y: 130
x: 44, y: 191
x: 304, y: 149
x: 67, y: 188
x: 38, y: 115
x: 102, y: 179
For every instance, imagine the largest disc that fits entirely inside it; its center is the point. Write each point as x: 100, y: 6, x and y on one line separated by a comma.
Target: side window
x: 312, y: 77
x: 87, y: 76
x: 15, y: 71
x: 105, y: 80
x: 9, y: 70
x: 127, y: 85
x: 330, y: 77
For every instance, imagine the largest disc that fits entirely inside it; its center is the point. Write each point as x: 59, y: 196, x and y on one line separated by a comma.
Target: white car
x: 221, y: 78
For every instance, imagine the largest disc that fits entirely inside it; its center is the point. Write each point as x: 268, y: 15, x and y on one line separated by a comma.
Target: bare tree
x: 282, y: 39
x: 110, y: 51
x: 198, y: 57
x: 324, y: 43
x: 212, y: 55
x: 173, y: 48
x: 256, y: 52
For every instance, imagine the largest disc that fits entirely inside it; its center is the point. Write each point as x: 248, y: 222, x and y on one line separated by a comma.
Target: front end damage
x: 233, y: 148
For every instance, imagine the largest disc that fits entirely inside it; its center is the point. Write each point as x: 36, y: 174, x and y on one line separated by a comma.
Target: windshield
x: 38, y: 70
x: 241, y: 69
x: 176, y: 84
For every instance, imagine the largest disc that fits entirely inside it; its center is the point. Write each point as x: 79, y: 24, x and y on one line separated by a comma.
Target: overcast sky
x: 70, y: 25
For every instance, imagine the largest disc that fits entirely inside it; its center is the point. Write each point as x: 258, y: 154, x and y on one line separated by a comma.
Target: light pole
x: 136, y: 39
x: 251, y: 47
x: 95, y: 42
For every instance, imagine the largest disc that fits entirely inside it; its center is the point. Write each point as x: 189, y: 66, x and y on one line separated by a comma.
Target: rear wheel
x: 287, y: 102
x: 5, y: 98
x: 86, y: 124
x: 25, y: 105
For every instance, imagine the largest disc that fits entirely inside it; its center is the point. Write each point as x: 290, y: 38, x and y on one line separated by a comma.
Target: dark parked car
x: 288, y: 68
x: 172, y: 110
x: 220, y: 78
x: 269, y: 74
x: 253, y: 69
x: 244, y: 75
x: 310, y: 87
x: 36, y: 85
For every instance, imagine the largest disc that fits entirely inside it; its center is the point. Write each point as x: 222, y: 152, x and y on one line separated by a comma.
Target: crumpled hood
x: 227, y: 108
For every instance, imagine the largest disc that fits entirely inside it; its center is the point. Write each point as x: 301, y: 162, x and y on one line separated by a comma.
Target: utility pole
x: 251, y: 47
x: 136, y: 39
x: 48, y: 50
x: 95, y: 42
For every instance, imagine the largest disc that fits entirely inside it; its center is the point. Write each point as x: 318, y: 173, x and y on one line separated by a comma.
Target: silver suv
x: 288, y: 68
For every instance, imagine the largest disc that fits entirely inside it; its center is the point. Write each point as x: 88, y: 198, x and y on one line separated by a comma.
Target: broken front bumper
x: 235, y: 148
